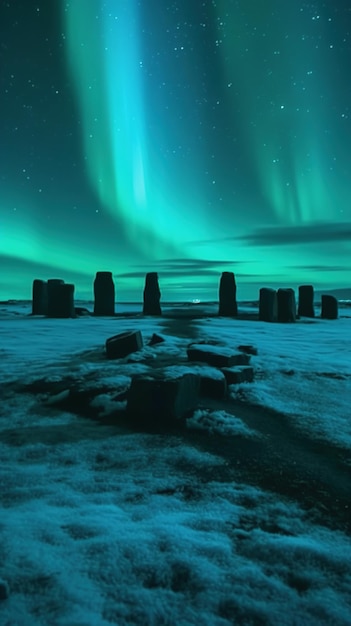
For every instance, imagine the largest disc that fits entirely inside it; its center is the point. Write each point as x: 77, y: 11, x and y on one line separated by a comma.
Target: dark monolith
x: 306, y: 298
x: 268, y: 305
x: 286, y: 305
x: 39, y: 297
x: 227, y: 295
x: 104, y: 294
x: 54, y: 296
x: 66, y: 305
x: 329, y: 308
x: 152, y: 295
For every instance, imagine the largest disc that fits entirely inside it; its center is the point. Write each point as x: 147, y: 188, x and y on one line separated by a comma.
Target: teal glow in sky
x: 180, y: 137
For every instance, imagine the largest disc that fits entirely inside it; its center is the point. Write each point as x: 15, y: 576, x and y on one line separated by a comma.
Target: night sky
x: 186, y: 137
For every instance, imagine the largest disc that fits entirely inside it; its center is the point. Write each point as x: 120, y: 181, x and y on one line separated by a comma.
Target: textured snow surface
x: 101, y: 524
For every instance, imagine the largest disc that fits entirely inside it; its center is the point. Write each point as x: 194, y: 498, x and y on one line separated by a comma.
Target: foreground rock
x: 119, y: 346
x: 162, y: 398
x: 217, y: 356
x: 248, y: 348
x: 238, y: 374
x: 213, y: 383
x: 155, y: 339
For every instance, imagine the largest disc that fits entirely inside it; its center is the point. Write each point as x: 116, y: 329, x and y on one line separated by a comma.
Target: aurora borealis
x: 185, y: 137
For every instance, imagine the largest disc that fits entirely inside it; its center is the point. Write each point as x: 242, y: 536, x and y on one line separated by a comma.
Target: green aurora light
x: 207, y: 137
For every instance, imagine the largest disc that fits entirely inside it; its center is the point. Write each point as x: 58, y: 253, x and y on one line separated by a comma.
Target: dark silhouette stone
x: 306, y: 298
x: 329, y: 308
x: 268, y: 305
x: 39, y: 297
x: 54, y: 296
x: 119, y: 346
x: 161, y: 399
x: 152, y: 295
x: 227, y: 295
x: 104, y: 294
x: 61, y: 300
x: 286, y: 305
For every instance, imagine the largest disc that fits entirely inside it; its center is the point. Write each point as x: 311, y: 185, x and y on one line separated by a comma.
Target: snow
x: 102, y: 524
x: 304, y: 371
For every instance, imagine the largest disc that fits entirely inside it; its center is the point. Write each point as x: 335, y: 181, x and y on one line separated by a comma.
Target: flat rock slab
x: 238, y: 374
x: 161, y: 398
x: 217, y: 356
x: 119, y: 346
x: 248, y: 348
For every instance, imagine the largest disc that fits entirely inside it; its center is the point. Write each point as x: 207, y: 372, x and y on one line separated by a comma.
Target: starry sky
x: 186, y: 137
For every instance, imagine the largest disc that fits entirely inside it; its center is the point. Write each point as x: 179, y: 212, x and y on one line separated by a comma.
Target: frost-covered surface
x: 104, y: 525
x: 303, y: 370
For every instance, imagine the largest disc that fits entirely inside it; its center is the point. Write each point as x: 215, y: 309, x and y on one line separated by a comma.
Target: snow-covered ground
x: 218, y: 524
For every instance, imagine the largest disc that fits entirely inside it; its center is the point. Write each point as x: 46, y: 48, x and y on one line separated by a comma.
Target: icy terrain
x: 241, y: 518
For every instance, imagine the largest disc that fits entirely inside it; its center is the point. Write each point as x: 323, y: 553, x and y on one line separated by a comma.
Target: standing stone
x: 61, y: 300
x: 329, y: 308
x: 152, y: 295
x: 104, y: 294
x: 306, y: 297
x: 268, y: 305
x: 286, y: 305
x: 66, y: 308
x: 227, y: 295
x: 54, y: 296
x: 39, y: 297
